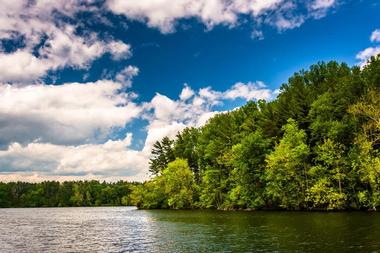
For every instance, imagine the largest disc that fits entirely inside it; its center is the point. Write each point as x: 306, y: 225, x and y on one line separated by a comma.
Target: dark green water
x: 125, y: 229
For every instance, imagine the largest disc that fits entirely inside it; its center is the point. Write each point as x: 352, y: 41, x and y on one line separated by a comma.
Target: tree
x: 286, y: 169
x: 179, y: 184
x: 175, y: 188
x: 185, y: 147
x: 162, y: 154
x: 249, y: 171
x: 213, y: 189
x: 368, y: 112
x: 365, y: 162
x: 327, y: 177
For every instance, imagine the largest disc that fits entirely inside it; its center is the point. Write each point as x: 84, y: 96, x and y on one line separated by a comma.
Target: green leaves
x: 286, y: 168
x: 175, y: 188
x: 53, y: 194
x: 162, y: 154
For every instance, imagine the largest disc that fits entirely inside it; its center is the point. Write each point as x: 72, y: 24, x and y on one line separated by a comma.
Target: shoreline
x: 210, y: 209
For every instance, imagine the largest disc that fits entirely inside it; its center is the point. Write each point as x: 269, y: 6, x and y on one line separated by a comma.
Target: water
x: 125, y: 229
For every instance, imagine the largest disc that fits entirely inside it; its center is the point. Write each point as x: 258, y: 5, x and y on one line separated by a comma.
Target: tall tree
x: 162, y: 154
x: 286, y: 171
x: 249, y: 171
x: 185, y: 147
x: 328, y: 177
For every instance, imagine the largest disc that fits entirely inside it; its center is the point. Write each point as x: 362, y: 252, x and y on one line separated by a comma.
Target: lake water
x: 125, y: 229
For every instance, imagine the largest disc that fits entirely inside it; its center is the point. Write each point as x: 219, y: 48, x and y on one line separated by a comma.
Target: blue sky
x: 223, y: 55
x: 87, y: 86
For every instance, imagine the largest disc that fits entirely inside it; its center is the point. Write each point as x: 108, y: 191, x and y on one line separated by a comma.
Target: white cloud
x: 167, y: 117
x: 21, y: 66
x: 186, y: 93
x: 119, y: 50
x: 248, y: 91
x: 113, y: 158
x: 322, y: 4
x: 164, y: 14
x: 126, y: 75
x: 50, y: 43
x: 64, y: 114
x: 365, y: 55
x: 283, y: 23
x: 375, y: 36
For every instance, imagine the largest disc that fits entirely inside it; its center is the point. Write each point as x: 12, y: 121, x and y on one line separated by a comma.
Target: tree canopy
x: 316, y: 146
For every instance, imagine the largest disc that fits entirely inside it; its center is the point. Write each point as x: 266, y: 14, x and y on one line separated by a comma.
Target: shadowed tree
x: 162, y: 154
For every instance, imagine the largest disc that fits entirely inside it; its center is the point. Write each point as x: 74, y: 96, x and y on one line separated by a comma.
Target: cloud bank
x: 43, y: 127
x: 70, y: 113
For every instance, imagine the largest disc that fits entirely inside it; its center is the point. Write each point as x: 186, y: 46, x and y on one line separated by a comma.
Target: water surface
x: 125, y: 229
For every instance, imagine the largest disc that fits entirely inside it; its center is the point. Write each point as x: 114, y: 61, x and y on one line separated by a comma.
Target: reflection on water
x: 125, y: 229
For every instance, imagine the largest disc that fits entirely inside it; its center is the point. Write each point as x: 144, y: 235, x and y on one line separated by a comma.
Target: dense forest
x: 54, y: 194
x: 315, y: 147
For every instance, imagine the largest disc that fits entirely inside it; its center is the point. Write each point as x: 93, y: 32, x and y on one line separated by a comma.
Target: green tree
x: 185, y: 147
x: 162, y: 154
x: 249, y: 171
x: 179, y: 184
x: 368, y: 112
x: 286, y: 170
x: 328, y: 177
x: 365, y: 162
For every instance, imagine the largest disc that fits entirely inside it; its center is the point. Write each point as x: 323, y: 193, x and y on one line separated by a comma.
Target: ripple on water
x: 124, y: 229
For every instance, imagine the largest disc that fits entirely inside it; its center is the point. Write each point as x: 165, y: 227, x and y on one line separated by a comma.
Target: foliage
x: 175, y: 188
x: 286, y: 169
x: 53, y: 194
x: 316, y: 146
x: 162, y: 154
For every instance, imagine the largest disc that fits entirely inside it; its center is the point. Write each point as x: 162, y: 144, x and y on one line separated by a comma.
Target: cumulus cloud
x: 50, y: 43
x: 113, y: 158
x: 164, y: 14
x: 375, y: 36
x: 167, y: 116
x: 249, y: 91
x: 186, y: 93
x: 21, y: 66
x: 322, y: 4
x: 71, y: 113
x: 62, y: 132
x: 126, y: 75
x: 366, y: 54
x: 118, y: 50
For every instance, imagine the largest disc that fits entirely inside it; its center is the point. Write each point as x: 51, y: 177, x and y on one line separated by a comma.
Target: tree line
x: 65, y: 194
x: 316, y: 146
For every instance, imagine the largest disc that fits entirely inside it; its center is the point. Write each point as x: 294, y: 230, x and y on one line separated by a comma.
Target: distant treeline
x: 56, y: 194
x: 316, y: 146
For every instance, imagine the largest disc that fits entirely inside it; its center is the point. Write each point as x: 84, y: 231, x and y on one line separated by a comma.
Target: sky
x: 87, y: 86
